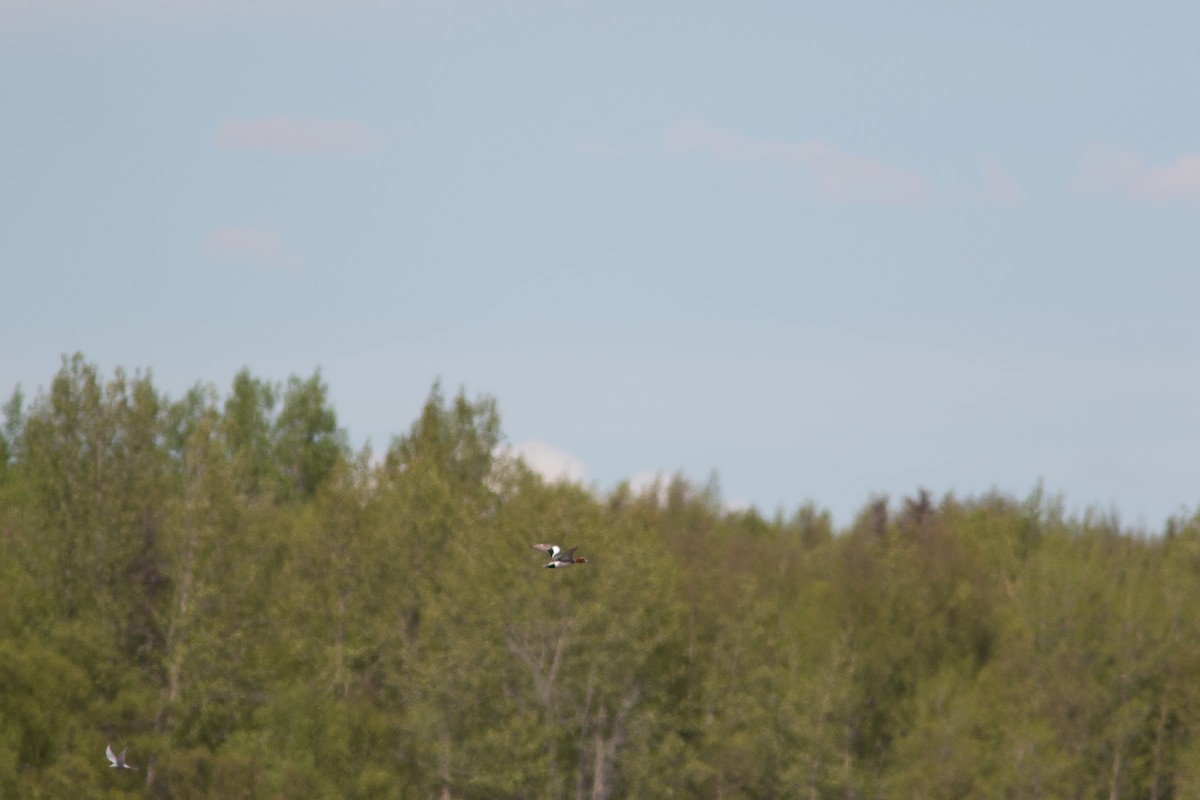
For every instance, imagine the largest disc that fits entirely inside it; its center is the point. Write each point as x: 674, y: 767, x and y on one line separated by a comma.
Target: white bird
x: 117, y: 761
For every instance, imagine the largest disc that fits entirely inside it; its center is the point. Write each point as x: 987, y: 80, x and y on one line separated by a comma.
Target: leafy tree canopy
x: 219, y: 583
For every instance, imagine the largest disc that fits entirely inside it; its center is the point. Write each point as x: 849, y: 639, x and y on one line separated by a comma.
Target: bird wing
x: 108, y: 752
x: 566, y: 555
x: 552, y: 549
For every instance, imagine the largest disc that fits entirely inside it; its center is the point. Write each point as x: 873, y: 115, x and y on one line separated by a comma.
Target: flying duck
x: 558, y: 556
x: 117, y: 761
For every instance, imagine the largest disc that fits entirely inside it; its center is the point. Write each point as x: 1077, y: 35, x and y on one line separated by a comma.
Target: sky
x: 828, y: 252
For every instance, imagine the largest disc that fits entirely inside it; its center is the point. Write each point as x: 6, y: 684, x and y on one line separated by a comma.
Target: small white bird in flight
x: 117, y: 760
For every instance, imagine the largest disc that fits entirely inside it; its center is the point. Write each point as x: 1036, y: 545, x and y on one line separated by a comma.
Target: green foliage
x: 307, y: 440
x: 257, y: 612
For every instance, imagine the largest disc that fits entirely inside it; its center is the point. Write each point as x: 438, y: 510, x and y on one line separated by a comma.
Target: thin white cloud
x: 276, y: 134
x: 1106, y: 169
x: 552, y: 464
x: 998, y: 187
x: 250, y: 245
x: 836, y: 175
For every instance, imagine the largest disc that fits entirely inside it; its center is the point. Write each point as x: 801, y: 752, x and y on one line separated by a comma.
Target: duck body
x: 559, y: 558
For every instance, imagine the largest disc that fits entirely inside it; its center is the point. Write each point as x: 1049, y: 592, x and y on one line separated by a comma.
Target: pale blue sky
x: 827, y: 250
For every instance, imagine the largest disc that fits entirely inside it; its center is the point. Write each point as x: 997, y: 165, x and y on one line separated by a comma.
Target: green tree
x: 307, y: 439
x: 247, y: 430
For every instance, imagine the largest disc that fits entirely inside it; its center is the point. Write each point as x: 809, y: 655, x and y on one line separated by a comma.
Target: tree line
x: 222, y: 585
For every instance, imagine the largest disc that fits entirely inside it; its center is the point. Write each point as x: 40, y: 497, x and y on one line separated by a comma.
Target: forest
x: 221, y: 584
